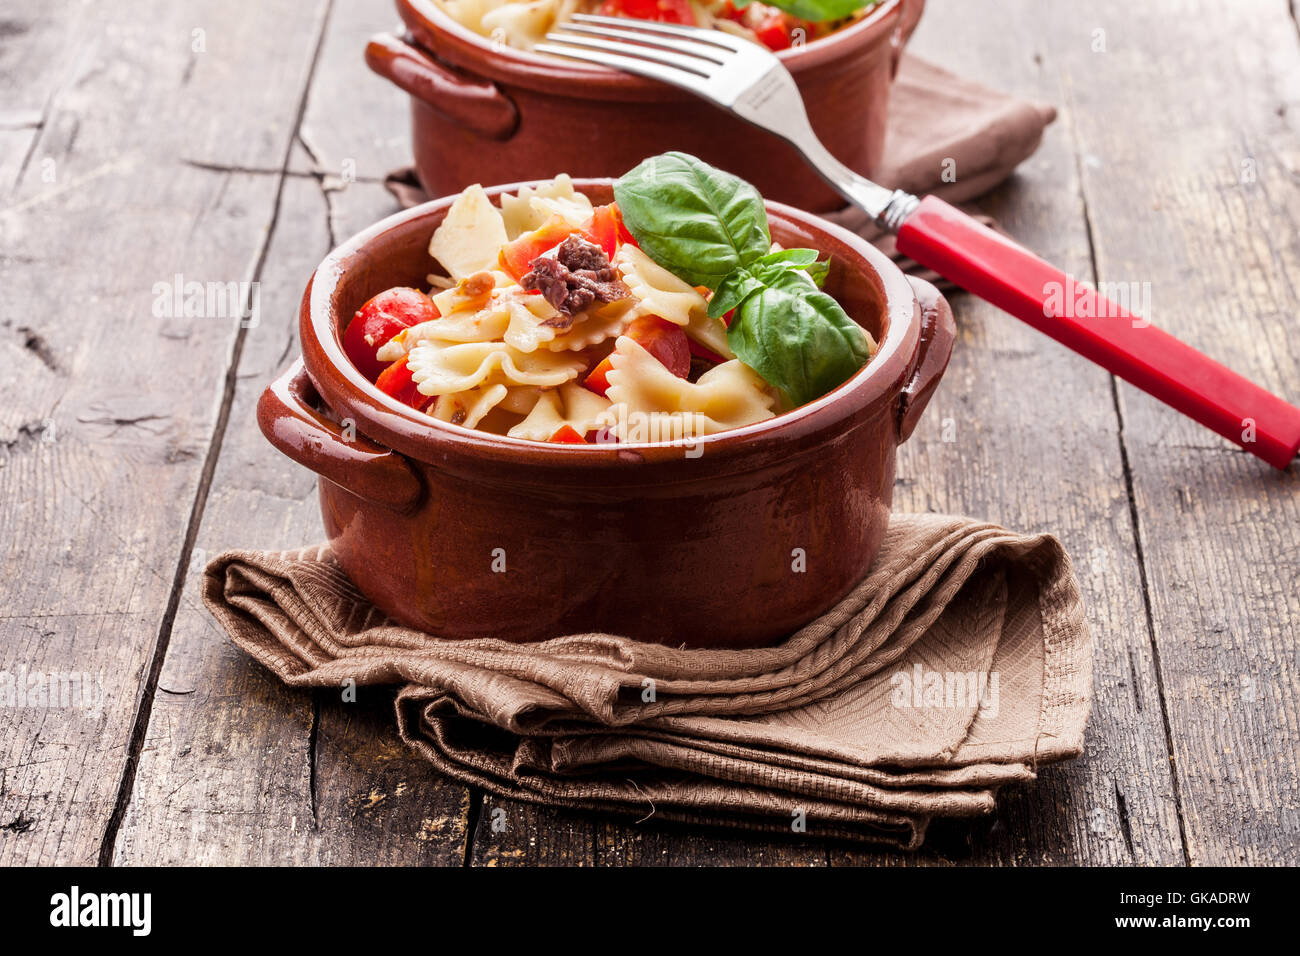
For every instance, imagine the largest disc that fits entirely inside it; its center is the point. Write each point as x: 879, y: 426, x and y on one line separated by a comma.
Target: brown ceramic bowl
x: 467, y: 534
x: 485, y: 113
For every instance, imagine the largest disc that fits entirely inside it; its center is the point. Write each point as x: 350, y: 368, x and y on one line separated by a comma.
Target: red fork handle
x: 1014, y: 279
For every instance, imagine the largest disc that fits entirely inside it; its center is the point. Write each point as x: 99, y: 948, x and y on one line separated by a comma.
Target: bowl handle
x: 938, y: 332
x: 475, y: 104
x: 907, y: 23
x: 364, y: 468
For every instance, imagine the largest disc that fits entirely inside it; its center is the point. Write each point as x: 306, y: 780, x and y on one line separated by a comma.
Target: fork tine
x: 569, y: 32
x: 664, y: 74
x: 677, y: 31
x: 690, y: 64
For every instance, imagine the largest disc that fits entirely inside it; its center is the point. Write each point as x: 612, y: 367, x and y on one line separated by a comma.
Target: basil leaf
x: 699, y: 223
x: 818, y: 272
x: 817, y: 11
x: 795, y: 258
x: 734, y: 290
x: 797, y: 338
x: 742, y: 283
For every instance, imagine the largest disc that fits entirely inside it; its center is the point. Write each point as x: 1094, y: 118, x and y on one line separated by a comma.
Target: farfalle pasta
x: 442, y: 369
x: 650, y: 403
x: 549, y: 323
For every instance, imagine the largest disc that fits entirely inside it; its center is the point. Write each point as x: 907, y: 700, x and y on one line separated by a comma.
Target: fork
x: 747, y: 80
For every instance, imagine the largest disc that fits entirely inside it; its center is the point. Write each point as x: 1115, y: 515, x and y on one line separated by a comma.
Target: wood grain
x: 108, y: 409
x: 241, y: 770
x: 236, y: 768
x: 1025, y: 433
x: 1198, y: 199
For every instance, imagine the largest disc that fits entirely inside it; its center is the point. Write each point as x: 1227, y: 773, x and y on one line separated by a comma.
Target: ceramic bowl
x: 482, y: 112
x: 735, y: 540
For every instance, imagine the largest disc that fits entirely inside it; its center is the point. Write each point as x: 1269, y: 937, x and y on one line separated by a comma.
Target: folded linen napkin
x: 960, y: 663
x: 946, y: 136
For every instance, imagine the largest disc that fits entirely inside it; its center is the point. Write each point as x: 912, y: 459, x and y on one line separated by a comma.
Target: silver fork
x: 747, y: 80
x: 732, y: 72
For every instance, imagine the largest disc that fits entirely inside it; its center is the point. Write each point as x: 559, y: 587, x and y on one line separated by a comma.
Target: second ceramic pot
x: 483, y: 113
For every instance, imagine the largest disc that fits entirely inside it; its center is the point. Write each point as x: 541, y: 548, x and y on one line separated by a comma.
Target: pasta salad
x: 777, y: 24
x: 666, y: 315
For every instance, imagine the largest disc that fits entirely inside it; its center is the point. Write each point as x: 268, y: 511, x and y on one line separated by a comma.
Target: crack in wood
x: 471, y: 824
x: 1125, y: 828
x: 19, y: 824
x: 1130, y: 492
x: 317, y: 172
x: 148, y: 690
x: 313, y: 741
x: 35, y: 343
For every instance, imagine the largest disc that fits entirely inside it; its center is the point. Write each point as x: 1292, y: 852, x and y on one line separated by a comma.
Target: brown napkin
x: 961, y: 662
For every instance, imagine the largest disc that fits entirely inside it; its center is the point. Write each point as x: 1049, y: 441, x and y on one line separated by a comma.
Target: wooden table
x: 237, y: 142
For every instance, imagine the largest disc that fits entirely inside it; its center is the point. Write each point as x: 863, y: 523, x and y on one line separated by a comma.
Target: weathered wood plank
x: 109, y: 407
x: 1024, y: 433
x: 356, y: 124
x: 1198, y: 199
x: 236, y: 768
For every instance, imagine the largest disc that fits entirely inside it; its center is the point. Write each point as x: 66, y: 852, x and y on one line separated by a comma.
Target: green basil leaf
x: 818, y: 272
x: 816, y: 11
x: 797, y: 338
x: 698, y: 222
x: 795, y: 258
x: 733, y: 290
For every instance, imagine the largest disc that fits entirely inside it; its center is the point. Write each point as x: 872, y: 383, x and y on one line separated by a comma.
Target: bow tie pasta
x: 549, y: 324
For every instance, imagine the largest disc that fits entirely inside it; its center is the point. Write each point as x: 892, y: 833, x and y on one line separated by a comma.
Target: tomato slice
x: 664, y: 11
x: 774, y: 31
x: 605, y: 228
x: 730, y: 12
x: 379, y: 320
x: 665, y: 340
x: 699, y: 351
x: 517, y: 256
x: 396, y: 380
x: 596, y: 380
x: 567, y: 435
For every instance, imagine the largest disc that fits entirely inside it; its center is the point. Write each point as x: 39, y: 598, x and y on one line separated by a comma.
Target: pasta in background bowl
x: 522, y: 24
x: 467, y: 533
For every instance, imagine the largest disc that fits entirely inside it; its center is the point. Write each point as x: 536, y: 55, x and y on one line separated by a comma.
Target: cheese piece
x: 470, y: 237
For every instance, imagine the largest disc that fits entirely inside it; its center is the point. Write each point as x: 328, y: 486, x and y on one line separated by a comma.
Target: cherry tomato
x: 731, y: 13
x: 396, y: 381
x: 700, y: 351
x: 774, y: 31
x: 664, y: 340
x: 596, y: 380
x: 517, y: 256
x: 379, y: 320
x: 566, y: 435
x: 605, y: 228
x: 664, y: 11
